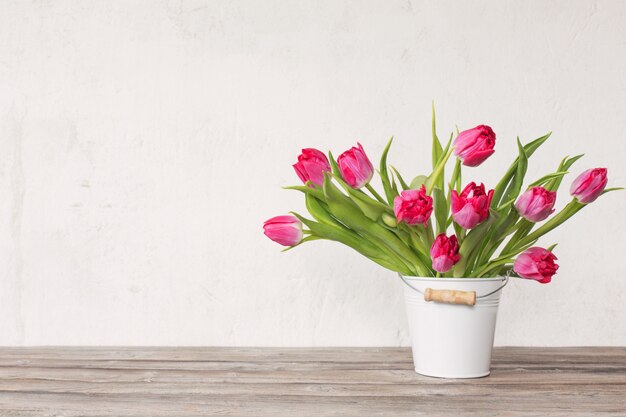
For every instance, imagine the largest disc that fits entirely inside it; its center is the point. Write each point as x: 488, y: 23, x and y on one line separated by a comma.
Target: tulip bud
x: 413, y: 206
x: 589, y: 185
x: 311, y: 166
x: 536, y: 204
x: 444, y: 253
x: 471, y: 207
x: 536, y: 263
x: 389, y: 220
x: 473, y: 146
x: 286, y: 230
x: 356, y: 169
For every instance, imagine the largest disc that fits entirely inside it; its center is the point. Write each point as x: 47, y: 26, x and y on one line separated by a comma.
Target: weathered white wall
x: 143, y: 143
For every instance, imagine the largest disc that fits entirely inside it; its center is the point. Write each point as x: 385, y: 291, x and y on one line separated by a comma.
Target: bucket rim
x: 441, y: 279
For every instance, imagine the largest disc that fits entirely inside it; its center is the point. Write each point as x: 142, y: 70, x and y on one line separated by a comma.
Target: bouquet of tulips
x: 406, y: 228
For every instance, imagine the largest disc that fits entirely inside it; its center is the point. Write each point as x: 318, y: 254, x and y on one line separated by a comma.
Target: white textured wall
x: 142, y: 144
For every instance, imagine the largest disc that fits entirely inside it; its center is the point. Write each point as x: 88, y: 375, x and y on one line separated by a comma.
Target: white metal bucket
x: 452, y: 340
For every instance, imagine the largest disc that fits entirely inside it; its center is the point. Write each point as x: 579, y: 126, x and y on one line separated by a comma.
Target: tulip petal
x: 356, y: 169
x: 311, y: 165
x: 285, y: 230
x: 467, y: 217
x: 536, y: 263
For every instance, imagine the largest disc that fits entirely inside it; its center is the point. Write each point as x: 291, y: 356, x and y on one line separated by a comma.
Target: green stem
x: 374, y: 193
x: 572, y: 208
x: 521, y: 229
x: 432, y: 179
x: 430, y: 234
x: 455, y: 184
x: 489, y: 267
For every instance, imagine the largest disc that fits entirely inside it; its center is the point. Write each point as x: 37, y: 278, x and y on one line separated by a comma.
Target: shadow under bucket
x: 452, y: 340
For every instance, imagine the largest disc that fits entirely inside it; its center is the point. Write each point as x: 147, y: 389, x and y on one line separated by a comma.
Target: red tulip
x: 444, y: 252
x: 311, y: 166
x: 536, y: 204
x: 286, y: 230
x: 472, y: 206
x: 356, y: 169
x: 536, y: 263
x: 413, y: 206
x: 589, y: 185
x: 475, y: 145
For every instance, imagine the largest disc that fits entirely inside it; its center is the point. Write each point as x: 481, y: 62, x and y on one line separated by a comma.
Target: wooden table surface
x: 294, y: 382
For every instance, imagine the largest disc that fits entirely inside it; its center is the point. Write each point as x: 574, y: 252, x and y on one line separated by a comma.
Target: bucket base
x: 452, y: 376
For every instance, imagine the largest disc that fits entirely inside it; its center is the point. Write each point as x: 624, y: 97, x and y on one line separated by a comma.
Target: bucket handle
x: 453, y: 296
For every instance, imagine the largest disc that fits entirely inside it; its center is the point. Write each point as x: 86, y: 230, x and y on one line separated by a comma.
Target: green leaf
x: 314, y: 191
x: 437, y: 150
x: 529, y: 149
x: 375, y: 194
x: 418, y: 181
x: 403, y: 183
x: 458, y: 231
x: 344, y: 210
x: 416, y: 239
x: 306, y: 239
x: 340, y: 234
x: 427, y: 233
x: 470, y: 246
x: 515, y: 185
x: 522, y: 228
x: 333, y: 165
x: 416, y: 243
x: 363, y: 246
x: 372, y: 212
x: 388, y: 264
x: 370, y: 207
x: 436, y: 177
x: 551, y: 247
x: 384, y: 175
x: 455, y: 181
x: 565, y: 164
x: 552, y: 182
x: 319, y: 210
x: 608, y: 190
x: 568, y: 162
x: 492, y: 265
x: 500, y: 229
x: 394, y: 187
x: 547, y: 178
x: 503, y: 270
x: 332, y: 193
x: 568, y: 211
x: 441, y: 209
x: 521, y: 249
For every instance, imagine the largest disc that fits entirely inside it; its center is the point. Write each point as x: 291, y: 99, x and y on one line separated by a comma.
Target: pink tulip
x: 536, y: 204
x: 356, y: 169
x: 286, y: 230
x: 472, y: 206
x: 311, y: 166
x: 536, y: 263
x: 444, y: 252
x: 475, y: 145
x: 413, y: 206
x: 589, y: 185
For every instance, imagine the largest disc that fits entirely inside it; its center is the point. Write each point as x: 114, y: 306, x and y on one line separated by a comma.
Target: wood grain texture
x: 92, y: 381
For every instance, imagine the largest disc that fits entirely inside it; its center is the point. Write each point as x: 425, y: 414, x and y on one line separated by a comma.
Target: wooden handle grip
x: 450, y: 296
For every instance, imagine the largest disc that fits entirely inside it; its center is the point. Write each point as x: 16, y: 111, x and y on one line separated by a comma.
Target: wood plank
x: 166, y: 381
